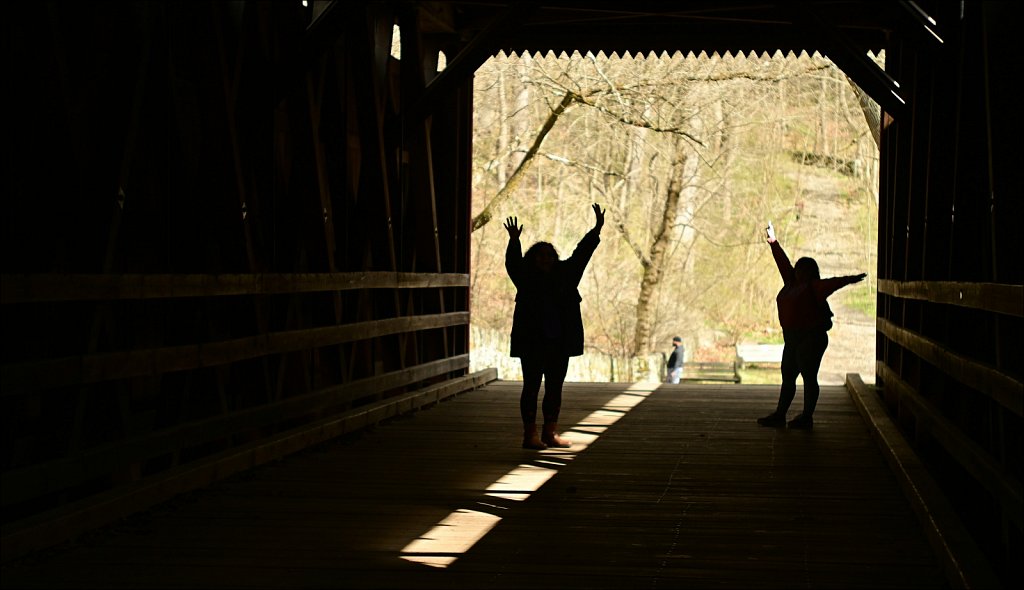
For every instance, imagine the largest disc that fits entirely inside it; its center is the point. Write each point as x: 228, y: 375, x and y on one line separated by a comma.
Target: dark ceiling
x: 845, y: 31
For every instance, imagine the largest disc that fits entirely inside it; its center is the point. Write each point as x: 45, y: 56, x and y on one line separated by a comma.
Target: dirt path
x: 828, y: 222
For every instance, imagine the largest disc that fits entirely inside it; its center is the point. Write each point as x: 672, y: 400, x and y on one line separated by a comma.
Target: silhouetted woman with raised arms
x: 805, y: 318
x: 547, y: 326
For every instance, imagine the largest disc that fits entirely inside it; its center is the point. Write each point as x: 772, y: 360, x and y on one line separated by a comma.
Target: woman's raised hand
x: 599, y: 214
x: 512, y: 227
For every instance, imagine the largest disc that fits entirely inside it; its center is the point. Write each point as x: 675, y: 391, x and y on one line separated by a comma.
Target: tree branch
x: 641, y: 124
x: 640, y: 255
x: 488, y: 212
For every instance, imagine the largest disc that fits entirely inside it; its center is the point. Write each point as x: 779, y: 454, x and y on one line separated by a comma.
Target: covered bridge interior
x: 234, y: 230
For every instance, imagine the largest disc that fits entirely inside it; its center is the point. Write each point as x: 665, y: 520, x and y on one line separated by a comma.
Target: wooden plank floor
x: 667, y: 489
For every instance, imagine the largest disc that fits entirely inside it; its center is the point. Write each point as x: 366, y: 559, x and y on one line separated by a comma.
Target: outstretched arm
x: 781, y: 260
x: 514, y: 251
x: 577, y: 262
x: 826, y: 287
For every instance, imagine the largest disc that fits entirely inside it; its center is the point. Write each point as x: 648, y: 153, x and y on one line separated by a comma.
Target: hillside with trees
x: 691, y: 155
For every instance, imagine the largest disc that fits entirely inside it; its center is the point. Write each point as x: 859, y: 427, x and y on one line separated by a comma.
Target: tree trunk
x: 654, y: 264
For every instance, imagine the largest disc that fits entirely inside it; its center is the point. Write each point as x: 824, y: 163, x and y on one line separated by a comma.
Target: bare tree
x: 687, y: 153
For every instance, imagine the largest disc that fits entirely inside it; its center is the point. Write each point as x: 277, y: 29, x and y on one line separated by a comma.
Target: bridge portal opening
x: 692, y: 155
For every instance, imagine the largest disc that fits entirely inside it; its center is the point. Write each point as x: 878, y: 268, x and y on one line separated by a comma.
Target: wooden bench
x: 759, y: 354
x: 710, y: 371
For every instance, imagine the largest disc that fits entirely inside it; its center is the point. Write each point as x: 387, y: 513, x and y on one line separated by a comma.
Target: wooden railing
x: 42, y: 494
x: 961, y: 408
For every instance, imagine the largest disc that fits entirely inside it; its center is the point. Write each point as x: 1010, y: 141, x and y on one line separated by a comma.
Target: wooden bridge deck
x: 667, y: 489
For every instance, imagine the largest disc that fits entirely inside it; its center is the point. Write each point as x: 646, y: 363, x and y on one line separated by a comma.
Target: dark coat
x: 804, y: 306
x: 560, y: 287
x: 675, y: 360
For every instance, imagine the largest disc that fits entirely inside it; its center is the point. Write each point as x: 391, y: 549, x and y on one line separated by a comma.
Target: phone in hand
x: 771, y: 230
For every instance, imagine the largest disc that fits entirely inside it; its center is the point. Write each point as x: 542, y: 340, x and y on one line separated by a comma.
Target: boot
x: 551, y: 439
x: 802, y: 422
x: 773, y: 420
x: 530, y: 438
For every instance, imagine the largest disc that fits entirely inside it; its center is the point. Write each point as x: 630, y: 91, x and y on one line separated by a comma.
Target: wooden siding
x: 219, y: 227
x: 951, y: 286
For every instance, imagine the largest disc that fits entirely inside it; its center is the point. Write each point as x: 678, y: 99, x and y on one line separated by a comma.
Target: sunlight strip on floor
x: 450, y: 538
x: 459, y: 531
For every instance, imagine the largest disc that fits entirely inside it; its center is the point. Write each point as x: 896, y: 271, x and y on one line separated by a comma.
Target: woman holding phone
x: 805, y: 317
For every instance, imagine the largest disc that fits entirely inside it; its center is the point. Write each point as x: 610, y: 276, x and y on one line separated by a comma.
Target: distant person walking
x: 675, y: 360
x: 547, y: 326
x: 805, y: 317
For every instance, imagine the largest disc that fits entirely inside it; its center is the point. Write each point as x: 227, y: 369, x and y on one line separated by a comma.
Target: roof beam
x: 857, y: 65
x: 481, y: 47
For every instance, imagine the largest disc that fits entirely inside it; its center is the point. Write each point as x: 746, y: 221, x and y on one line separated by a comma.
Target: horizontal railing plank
x: 1000, y: 387
x: 37, y: 288
x: 18, y: 378
x: 994, y: 297
x: 26, y: 483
